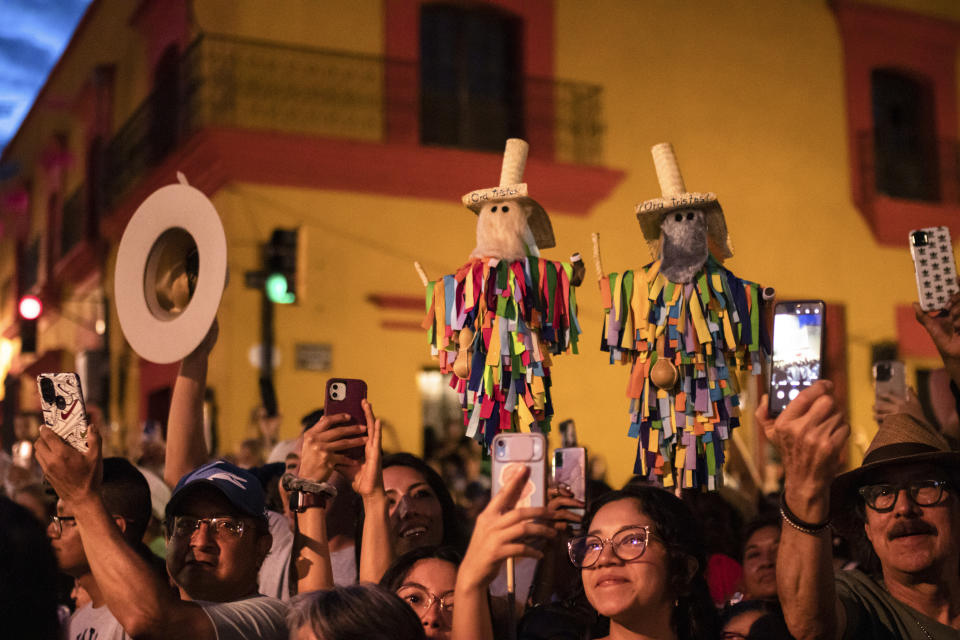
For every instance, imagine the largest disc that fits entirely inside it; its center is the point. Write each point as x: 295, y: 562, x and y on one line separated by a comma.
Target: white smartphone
x: 934, y: 266
x: 64, y: 412
x: 890, y: 378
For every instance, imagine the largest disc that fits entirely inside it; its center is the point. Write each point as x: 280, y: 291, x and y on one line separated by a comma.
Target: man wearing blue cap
x: 217, y: 539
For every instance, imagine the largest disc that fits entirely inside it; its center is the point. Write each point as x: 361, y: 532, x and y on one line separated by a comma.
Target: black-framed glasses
x: 923, y: 493
x: 420, y: 600
x: 55, y: 525
x: 627, y: 544
x: 222, y: 526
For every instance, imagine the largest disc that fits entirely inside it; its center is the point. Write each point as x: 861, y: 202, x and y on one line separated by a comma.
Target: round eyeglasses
x: 420, y: 600
x: 627, y: 544
x: 222, y: 527
x: 55, y: 525
x: 923, y: 493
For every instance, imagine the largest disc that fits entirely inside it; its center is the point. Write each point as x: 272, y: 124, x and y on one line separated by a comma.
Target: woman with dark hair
x: 422, y: 512
x: 357, y: 612
x: 425, y: 579
x: 642, y: 564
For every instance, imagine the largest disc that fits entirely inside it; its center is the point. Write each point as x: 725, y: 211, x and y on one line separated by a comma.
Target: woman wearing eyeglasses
x: 425, y: 579
x: 642, y: 566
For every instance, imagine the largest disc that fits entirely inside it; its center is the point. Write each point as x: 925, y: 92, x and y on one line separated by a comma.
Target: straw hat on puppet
x: 675, y: 197
x: 901, y: 439
x: 513, y: 188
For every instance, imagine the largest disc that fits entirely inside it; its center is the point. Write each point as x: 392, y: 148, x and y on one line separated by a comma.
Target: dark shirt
x: 874, y: 614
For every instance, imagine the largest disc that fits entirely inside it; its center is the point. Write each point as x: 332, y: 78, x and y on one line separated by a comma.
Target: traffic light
x: 30, y: 308
x: 280, y: 266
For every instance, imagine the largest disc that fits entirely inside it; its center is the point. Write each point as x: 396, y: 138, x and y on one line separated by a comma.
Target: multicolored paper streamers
x: 521, y: 313
x: 710, y: 329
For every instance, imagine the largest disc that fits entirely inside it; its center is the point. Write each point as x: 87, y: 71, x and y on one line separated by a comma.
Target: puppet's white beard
x: 504, y: 235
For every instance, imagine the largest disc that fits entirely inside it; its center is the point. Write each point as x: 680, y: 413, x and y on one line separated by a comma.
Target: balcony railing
x: 920, y: 170
x: 264, y: 86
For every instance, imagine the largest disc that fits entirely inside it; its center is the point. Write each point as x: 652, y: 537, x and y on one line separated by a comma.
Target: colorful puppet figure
x: 496, y: 321
x: 688, y: 327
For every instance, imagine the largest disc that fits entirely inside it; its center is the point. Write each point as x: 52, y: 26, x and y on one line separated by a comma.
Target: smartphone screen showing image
x: 797, y: 350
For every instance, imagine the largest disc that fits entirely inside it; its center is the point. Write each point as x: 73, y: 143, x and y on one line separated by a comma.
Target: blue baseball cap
x: 240, y: 487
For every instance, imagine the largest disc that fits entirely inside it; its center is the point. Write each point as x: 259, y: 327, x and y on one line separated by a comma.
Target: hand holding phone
x: 346, y: 395
x: 934, y: 267
x: 797, y: 350
x: 570, y: 473
x: 64, y: 413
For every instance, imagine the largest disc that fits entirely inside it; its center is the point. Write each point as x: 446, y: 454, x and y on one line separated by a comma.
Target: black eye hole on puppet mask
x: 504, y: 208
x: 678, y: 217
x: 690, y: 215
x: 494, y: 209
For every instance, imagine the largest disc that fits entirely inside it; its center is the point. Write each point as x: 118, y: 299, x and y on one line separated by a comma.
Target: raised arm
x: 376, y: 552
x: 145, y: 607
x: 810, y: 435
x: 501, y: 532
x: 319, y: 457
x: 944, y: 330
x: 186, y: 447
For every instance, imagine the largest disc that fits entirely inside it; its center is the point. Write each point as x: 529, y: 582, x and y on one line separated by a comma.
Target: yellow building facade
x: 758, y: 100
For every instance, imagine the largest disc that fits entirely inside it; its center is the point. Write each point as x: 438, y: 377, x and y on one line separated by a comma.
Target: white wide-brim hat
x: 512, y: 187
x: 650, y: 213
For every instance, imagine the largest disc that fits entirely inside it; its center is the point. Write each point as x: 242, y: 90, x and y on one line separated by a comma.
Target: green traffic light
x: 276, y: 286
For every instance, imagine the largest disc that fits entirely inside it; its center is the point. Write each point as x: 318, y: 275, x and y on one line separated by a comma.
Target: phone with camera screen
x: 890, y: 378
x: 798, y: 328
x: 346, y: 395
x: 64, y: 413
x: 511, y: 453
x: 934, y: 267
x: 570, y: 470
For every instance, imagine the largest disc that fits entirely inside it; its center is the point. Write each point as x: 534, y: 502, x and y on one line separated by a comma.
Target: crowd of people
x: 325, y: 544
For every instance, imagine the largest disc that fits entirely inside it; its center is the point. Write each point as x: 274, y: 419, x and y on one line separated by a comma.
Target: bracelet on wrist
x: 810, y: 528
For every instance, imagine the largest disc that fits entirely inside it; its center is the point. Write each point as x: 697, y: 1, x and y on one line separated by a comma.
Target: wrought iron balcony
x: 265, y: 86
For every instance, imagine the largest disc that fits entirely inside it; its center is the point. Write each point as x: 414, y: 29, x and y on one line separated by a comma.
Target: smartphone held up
x: 64, y: 413
x: 934, y: 267
x: 346, y: 395
x: 511, y: 453
x: 798, y: 328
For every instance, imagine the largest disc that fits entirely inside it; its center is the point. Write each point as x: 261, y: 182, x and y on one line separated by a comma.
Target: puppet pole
x: 597, y: 262
x: 420, y: 272
x: 511, y: 600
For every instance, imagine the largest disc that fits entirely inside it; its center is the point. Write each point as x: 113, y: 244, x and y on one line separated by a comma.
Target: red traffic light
x: 30, y: 307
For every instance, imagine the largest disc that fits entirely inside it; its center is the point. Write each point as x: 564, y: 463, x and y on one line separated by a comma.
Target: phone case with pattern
x: 934, y: 266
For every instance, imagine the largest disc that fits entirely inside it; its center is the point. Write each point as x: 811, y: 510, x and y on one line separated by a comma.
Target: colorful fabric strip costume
x: 710, y: 329
x: 520, y: 313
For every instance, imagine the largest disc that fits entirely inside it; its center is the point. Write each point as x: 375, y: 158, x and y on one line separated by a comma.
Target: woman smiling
x: 642, y: 566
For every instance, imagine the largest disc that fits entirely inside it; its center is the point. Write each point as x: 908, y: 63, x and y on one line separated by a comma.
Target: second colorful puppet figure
x: 688, y: 328
x: 496, y: 321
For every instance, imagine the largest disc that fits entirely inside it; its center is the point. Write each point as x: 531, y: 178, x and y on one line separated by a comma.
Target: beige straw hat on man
x: 675, y: 197
x: 513, y: 188
x: 901, y: 439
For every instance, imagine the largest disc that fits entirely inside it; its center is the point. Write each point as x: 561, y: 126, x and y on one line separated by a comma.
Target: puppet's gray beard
x: 680, y: 261
x: 502, y: 235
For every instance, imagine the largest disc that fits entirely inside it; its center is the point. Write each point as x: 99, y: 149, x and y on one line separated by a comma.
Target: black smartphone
x: 798, y: 328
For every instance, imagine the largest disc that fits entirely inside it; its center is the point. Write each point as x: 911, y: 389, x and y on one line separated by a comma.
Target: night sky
x: 33, y: 34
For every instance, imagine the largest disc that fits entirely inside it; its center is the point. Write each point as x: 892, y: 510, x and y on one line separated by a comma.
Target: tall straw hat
x: 901, y: 439
x: 675, y: 196
x: 512, y: 187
